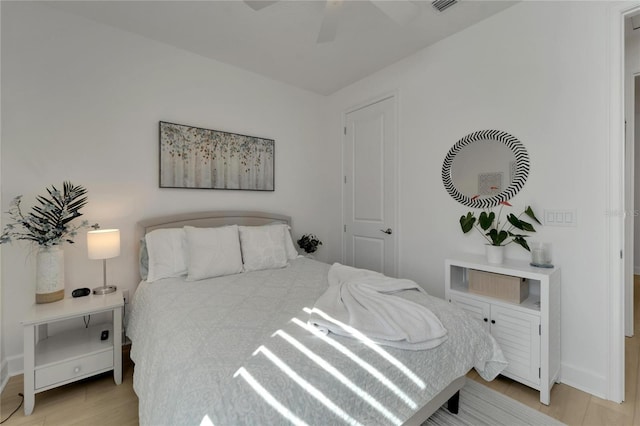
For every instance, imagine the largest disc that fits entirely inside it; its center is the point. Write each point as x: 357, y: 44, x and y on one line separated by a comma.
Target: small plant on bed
x: 309, y: 243
x: 499, y: 233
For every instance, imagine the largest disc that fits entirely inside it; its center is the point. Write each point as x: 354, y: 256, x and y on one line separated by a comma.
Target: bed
x: 237, y: 348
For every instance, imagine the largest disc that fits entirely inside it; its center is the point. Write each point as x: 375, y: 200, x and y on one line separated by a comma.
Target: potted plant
x: 48, y: 226
x: 499, y: 233
x: 309, y: 243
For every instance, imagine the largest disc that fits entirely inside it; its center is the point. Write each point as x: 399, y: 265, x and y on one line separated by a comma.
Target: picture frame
x: 194, y: 157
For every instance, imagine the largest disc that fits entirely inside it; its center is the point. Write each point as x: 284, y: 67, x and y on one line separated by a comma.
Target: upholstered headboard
x: 210, y: 220
x: 200, y: 220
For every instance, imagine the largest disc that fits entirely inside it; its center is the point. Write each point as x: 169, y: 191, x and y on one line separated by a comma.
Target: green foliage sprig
x: 497, y: 233
x: 309, y: 243
x: 49, y: 222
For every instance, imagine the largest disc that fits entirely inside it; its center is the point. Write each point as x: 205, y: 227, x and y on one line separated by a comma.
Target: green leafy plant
x: 309, y: 243
x: 49, y: 222
x: 498, y: 233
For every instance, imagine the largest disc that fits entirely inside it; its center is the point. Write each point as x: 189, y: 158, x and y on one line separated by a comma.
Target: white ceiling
x: 279, y: 41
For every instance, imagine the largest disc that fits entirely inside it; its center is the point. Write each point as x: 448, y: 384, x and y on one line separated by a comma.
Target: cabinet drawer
x: 74, y: 368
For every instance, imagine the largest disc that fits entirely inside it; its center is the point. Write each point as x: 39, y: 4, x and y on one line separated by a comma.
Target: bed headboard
x: 210, y: 220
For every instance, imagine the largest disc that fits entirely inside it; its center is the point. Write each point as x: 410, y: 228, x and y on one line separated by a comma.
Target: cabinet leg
x: 545, y: 396
x: 454, y: 403
x: 117, y: 345
x: 29, y: 403
x: 29, y: 366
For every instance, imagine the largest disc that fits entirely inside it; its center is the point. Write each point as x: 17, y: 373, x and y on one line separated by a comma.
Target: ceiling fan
x: 400, y: 11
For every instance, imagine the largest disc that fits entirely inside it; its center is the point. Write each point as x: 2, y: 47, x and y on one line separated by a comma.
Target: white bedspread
x: 226, y: 350
x: 361, y: 302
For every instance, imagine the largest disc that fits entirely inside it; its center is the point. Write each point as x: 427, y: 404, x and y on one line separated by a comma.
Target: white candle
x: 537, y: 256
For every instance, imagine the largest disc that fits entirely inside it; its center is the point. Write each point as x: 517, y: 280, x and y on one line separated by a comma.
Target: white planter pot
x: 49, y: 275
x: 495, y: 254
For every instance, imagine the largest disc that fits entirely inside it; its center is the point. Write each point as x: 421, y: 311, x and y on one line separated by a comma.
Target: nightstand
x: 52, y: 361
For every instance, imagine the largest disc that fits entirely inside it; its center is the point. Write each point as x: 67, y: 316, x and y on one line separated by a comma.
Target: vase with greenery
x: 499, y: 232
x: 309, y: 243
x: 48, y: 225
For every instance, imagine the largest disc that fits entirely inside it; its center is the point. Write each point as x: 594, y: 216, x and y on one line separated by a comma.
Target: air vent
x: 441, y: 5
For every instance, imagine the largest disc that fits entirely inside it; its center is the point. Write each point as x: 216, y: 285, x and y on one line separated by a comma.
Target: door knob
x: 387, y: 231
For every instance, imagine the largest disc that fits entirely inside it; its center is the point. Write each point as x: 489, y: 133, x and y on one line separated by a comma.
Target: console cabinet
x: 528, y: 332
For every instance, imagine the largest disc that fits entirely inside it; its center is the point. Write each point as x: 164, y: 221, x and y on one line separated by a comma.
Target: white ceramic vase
x: 495, y: 254
x: 49, y: 274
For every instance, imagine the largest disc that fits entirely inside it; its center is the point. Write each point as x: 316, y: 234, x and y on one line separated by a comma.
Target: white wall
x: 538, y: 70
x: 632, y: 177
x: 82, y: 101
x: 637, y: 162
x: 632, y: 65
x: 4, y: 367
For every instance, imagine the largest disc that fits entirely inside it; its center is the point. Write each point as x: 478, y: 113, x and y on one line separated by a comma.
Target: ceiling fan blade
x: 329, y: 25
x: 399, y: 11
x: 259, y: 4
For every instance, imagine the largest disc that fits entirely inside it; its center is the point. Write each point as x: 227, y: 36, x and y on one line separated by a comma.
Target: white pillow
x: 167, y: 253
x: 263, y: 247
x: 213, y: 252
x: 290, y: 249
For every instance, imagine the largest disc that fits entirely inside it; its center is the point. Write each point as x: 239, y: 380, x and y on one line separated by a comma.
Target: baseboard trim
x: 584, y: 380
x: 15, y: 364
x: 4, y: 374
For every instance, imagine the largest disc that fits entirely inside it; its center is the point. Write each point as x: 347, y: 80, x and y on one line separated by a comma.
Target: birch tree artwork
x: 191, y: 157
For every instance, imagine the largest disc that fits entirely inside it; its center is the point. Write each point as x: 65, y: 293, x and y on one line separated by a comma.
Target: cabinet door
x: 477, y: 309
x: 518, y: 335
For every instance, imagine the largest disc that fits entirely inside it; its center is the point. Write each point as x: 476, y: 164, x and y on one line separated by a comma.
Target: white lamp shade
x: 103, y: 243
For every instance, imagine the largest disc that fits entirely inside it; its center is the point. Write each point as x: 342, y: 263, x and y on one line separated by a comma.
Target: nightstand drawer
x: 68, y: 370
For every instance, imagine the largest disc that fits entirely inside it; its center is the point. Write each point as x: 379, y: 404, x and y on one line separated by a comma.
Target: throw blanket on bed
x: 361, y: 301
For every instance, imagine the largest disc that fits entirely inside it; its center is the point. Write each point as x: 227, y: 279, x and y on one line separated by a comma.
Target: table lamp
x: 103, y: 244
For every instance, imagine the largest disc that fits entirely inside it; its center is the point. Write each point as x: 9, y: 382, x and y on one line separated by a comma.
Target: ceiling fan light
x: 441, y: 5
x: 259, y: 4
x: 329, y: 25
x: 399, y: 11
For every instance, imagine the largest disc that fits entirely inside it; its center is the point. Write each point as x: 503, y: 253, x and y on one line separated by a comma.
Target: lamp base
x: 105, y: 289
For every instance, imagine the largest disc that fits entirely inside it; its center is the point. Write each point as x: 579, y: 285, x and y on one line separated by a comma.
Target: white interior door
x: 632, y: 98
x: 369, y: 207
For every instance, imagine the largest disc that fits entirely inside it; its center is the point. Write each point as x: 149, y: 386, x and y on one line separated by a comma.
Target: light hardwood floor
x: 97, y: 401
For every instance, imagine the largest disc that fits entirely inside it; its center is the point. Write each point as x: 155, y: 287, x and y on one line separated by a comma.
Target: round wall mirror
x: 484, y: 168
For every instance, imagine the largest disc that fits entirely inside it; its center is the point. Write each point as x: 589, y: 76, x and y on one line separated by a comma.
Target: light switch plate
x: 560, y: 217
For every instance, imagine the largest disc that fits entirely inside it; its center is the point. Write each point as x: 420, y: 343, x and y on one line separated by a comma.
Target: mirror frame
x: 521, y: 175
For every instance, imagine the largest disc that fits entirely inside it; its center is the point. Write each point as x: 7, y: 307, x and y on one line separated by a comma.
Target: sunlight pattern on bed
x: 358, y: 360
x: 213, y: 350
x: 308, y: 387
x: 370, y: 344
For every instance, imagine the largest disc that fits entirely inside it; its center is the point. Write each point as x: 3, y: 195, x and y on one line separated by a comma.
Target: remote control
x: 80, y: 292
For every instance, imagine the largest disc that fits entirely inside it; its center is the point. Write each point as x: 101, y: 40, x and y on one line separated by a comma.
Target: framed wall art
x: 191, y: 157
